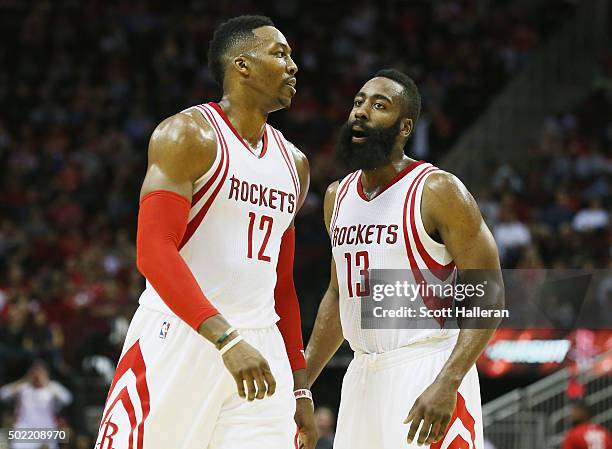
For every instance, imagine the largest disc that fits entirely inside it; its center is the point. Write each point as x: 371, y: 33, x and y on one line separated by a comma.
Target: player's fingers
x: 411, y: 414
x: 424, y: 430
x: 261, y: 386
x: 270, y: 380
x: 433, y: 435
x: 240, y: 386
x: 416, y: 420
x: 443, y: 426
x: 250, y: 385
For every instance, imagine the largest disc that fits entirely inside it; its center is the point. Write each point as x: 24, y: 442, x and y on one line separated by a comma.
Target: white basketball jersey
x: 240, y: 209
x: 385, y: 232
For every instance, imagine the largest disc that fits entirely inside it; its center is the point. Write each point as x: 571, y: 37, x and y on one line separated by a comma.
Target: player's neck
x: 375, y: 180
x: 248, y: 119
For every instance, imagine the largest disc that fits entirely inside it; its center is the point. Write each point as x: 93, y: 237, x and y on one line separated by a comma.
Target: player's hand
x: 434, y: 407
x: 249, y: 367
x: 304, y: 418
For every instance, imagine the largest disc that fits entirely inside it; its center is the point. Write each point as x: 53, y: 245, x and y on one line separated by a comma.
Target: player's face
x: 273, y: 71
x: 367, y: 139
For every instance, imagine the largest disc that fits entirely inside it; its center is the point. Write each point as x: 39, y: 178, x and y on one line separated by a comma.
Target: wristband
x: 303, y: 393
x: 224, y: 336
x: 231, y: 344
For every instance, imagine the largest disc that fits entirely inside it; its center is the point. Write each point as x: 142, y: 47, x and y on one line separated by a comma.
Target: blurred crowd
x: 89, y: 81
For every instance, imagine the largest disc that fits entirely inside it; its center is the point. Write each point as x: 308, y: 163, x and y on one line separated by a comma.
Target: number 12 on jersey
x: 265, y: 224
x: 362, y: 261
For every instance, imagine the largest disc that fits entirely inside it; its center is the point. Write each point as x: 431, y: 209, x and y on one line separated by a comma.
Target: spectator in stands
x: 325, y: 421
x: 584, y: 434
x: 38, y: 400
x: 592, y: 218
x: 510, y: 235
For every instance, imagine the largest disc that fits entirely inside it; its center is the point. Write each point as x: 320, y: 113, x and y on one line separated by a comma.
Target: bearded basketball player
x: 397, y: 213
x: 209, y: 355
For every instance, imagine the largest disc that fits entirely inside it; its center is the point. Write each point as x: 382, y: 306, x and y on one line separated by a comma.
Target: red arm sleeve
x: 286, y: 303
x: 162, y: 221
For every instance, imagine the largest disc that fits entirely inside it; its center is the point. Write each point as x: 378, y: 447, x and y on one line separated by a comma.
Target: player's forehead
x: 383, y: 88
x: 269, y: 36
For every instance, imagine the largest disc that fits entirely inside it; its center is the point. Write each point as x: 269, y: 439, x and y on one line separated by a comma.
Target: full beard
x: 375, y: 152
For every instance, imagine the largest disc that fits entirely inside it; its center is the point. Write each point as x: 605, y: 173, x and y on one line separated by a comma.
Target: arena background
x: 517, y: 101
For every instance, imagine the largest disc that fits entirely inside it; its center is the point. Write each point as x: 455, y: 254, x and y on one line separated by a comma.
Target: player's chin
x: 285, y: 101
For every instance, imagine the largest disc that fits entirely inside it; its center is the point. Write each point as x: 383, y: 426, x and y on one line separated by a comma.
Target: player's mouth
x: 358, y: 134
x: 291, y: 84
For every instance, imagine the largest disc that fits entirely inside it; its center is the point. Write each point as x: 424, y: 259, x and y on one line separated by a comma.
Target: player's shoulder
x: 184, y: 129
x: 445, y: 199
x: 446, y: 187
x: 180, y: 142
x: 332, y: 191
x: 329, y: 200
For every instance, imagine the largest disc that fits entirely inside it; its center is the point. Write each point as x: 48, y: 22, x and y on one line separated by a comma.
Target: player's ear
x: 241, y: 64
x: 406, y: 127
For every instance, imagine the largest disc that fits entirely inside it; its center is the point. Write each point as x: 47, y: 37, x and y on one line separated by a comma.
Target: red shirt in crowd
x: 588, y: 436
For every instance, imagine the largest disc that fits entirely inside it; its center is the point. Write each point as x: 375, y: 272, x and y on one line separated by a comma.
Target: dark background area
x: 83, y: 84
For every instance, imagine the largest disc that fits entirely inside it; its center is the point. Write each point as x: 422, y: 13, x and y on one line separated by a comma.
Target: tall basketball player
x: 398, y: 213
x: 206, y: 362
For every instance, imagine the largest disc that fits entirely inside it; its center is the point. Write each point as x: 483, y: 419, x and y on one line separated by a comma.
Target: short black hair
x: 411, y: 91
x: 228, y: 34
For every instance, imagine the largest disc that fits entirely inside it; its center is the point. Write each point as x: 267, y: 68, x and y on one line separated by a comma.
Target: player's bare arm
x: 327, y: 335
x: 450, y: 212
x: 182, y: 148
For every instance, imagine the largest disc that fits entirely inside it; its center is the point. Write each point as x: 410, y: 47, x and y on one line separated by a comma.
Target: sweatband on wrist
x: 231, y: 344
x: 303, y: 393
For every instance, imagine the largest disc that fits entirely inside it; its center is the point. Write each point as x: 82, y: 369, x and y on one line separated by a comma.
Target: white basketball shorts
x: 172, y: 390
x: 379, y: 390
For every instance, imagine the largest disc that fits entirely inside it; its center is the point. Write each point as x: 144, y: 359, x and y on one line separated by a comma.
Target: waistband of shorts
x: 413, y: 351
x: 171, y: 314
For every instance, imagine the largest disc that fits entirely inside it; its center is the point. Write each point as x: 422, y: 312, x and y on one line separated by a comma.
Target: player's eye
x: 280, y: 54
x: 379, y: 106
x: 357, y: 103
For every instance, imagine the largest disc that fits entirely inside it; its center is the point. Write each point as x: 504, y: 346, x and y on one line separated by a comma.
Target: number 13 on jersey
x: 360, y: 262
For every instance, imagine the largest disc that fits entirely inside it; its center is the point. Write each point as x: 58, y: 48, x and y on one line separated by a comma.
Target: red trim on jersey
x: 429, y: 261
x: 341, y: 195
x: 431, y: 302
x: 286, y: 157
x: 403, y: 172
x: 200, y: 193
x: 462, y: 414
x: 134, y: 361
x: 217, y: 108
x: 195, y: 222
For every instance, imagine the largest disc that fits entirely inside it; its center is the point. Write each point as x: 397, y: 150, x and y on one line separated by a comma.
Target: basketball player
x: 398, y: 213
x: 204, y: 364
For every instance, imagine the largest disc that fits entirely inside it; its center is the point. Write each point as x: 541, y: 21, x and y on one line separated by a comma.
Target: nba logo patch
x: 163, y: 332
